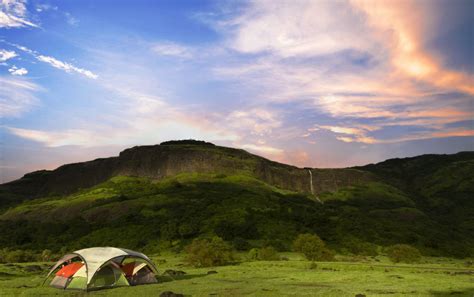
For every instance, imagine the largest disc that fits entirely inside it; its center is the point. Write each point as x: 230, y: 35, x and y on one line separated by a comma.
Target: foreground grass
x: 372, y: 277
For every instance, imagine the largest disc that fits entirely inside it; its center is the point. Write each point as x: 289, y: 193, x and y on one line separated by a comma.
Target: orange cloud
x: 403, y: 20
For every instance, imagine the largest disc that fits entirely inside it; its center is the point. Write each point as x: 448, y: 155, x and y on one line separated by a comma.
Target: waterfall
x: 311, y: 185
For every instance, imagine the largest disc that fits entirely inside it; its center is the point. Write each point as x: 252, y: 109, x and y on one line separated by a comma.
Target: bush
x: 46, y: 255
x: 17, y: 256
x: 264, y: 254
x: 403, y: 253
x: 205, y: 253
x: 268, y: 254
x: 356, y: 246
x: 253, y: 254
x: 327, y: 255
x: 312, y: 247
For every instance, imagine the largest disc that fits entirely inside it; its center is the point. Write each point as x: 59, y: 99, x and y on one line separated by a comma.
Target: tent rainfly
x: 102, y: 267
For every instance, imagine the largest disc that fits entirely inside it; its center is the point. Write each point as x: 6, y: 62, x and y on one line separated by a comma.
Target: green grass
x: 372, y: 277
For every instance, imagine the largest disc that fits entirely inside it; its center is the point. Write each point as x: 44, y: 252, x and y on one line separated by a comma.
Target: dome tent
x: 102, y: 267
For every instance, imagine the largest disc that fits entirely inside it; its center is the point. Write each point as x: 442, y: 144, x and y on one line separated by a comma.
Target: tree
x: 205, y: 253
x: 403, y: 253
x: 310, y: 245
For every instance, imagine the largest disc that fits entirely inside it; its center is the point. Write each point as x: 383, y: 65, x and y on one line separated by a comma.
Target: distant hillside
x: 171, y: 158
x: 160, y: 197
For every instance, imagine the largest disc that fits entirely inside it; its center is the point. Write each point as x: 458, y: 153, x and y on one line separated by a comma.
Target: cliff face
x: 160, y: 161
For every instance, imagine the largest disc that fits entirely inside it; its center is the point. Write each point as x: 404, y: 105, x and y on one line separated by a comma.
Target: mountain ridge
x: 171, y: 158
x: 172, y: 193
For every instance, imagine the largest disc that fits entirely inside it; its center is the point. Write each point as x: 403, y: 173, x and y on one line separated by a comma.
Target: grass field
x: 371, y: 277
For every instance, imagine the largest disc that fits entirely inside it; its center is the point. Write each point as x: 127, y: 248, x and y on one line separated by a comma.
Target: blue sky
x: 310, y: 83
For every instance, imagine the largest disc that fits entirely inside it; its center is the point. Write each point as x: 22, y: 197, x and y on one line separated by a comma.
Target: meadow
x: 347, y: 276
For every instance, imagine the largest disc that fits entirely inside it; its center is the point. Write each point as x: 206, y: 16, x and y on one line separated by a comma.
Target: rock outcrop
x: 172, y: 158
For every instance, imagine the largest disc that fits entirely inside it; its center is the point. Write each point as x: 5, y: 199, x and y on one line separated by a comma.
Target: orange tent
x: 70, y: 269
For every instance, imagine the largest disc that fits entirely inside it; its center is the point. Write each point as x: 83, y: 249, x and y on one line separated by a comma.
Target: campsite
x: 221, y: 148
x: 234, y: 232
x: 376, y: 276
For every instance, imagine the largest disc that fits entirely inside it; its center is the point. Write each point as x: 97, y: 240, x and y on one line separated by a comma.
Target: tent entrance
x: 108, y: 276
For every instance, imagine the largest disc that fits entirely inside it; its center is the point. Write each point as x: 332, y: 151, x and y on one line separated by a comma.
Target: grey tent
x: 102, y: 267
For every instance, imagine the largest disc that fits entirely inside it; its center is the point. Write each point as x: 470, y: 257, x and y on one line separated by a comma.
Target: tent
x: 102, y: 267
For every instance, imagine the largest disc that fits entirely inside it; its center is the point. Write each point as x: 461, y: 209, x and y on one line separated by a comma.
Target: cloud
x: 6, y: 55
x: 55, y: 139
x: 70, y: 19
x: 17, y: 96
x: 53, y: 61
x: 17, y: 71
x: 262, y: 149
x: 45, y: 7
x: 357, y: 134
x: 355, y: 63
x: 171, y: 49
x: 297, y: 28
x: 13, y: 14
x: 404, y: 19
x: 66, y: 66
x: 256, y: 121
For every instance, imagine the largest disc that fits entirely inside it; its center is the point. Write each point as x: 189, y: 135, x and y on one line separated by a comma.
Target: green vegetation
x: 206, y: 253
x: 142, y: 214
x: 432, y: 277
x: 312, y: 247
x: 267, y: 253
x: 424, y: 202
x: 403, y: 253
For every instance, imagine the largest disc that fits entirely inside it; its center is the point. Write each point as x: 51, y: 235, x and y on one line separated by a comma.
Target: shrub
x: 403, y: 253
x: 310, y: 245
x: 268, y: 254
x: 205, y: 253
x: 46, y: 255
x: 253, y: 254
x: 355, y: 246
x: 327, y: 255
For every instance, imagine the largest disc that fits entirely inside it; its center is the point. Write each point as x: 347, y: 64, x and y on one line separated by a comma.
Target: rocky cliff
x: 172, y: 158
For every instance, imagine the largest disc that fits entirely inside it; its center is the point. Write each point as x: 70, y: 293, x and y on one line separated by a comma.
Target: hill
x: 160, y: 197
x: 158, y: 162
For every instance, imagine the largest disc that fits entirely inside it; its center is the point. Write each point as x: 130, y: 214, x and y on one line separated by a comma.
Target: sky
x: 310, y: 83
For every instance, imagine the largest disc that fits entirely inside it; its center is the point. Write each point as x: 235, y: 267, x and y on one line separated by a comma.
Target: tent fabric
x: 128, y: 268
x: 96, y: 257
x: 108, y: 276
x: 143, y: 276
x: 70, y: 269
x: 59, y: 282
x: 139, y: 267
x: 132, y: 268
x: 77, y: 282
x: 100, y: 268
x: 82, y: 272
x: 61, y: 261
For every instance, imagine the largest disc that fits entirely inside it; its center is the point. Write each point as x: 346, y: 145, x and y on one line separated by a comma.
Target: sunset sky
x: 309, y: 83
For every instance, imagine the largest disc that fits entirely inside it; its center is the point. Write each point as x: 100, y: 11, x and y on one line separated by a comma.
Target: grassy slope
x: 424, y: 201
x: 442, y: 187
x: 374, y: 277
x: 141, y: 214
